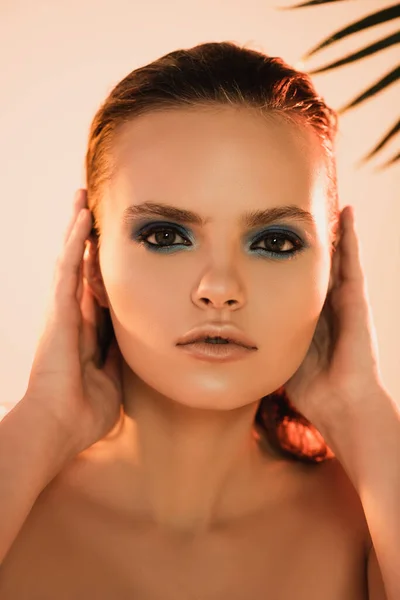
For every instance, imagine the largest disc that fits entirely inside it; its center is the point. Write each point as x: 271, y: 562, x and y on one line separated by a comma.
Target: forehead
x: 206, y: 156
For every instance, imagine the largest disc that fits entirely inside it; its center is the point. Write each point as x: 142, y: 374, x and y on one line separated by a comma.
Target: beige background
x: 58, y: 62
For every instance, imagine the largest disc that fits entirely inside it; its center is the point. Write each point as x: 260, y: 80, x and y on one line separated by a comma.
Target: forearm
x: 33, y: 449
x: 368, y: 447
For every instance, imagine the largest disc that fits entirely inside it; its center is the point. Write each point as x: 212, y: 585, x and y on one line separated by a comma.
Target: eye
x: 163, y: 236
x: 275, y: 243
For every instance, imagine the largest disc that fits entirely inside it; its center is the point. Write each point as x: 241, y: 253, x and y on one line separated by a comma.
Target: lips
x: 228, y: 332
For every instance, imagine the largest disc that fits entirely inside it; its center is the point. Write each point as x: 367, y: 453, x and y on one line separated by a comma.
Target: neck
x: 193, y: 468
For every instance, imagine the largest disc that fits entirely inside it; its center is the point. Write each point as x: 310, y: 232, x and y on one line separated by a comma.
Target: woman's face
x: 220, y: 164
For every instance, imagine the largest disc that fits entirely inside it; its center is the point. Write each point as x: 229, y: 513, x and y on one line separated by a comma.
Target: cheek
x: 151, y: 306
x: 143, y: 296
x: 288, y: 308
x: 153, y: 301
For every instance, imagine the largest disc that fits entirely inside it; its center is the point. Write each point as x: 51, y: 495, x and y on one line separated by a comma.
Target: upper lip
x: 226, y: 331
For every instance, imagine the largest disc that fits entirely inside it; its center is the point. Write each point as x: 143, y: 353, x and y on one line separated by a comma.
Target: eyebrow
x: 254, y: 218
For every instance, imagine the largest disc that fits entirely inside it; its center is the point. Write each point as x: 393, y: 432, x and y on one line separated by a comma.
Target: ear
x: 92, y: 272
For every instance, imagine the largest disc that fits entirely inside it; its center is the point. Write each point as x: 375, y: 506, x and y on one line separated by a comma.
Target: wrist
x: 56, y: 436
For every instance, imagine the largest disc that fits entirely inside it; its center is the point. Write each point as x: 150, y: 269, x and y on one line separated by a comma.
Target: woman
x: 212, y: 185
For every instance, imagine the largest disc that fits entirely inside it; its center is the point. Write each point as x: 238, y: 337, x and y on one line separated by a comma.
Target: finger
x: 79, y: 292
x: 69, y: 263
x: 80, y: 201
x: 88, y: 338
x: 87, y: 302
x: 350, y: 249
x: 335, y: 268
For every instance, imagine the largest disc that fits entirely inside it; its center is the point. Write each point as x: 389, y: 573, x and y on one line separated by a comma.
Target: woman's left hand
x: 340, y: 370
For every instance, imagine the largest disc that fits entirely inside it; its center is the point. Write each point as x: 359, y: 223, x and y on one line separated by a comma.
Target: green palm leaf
x: 311, y: 3
x: 376, y: 18
x: 391, y: 133
x: 384, y: 43
x: 374, y: 89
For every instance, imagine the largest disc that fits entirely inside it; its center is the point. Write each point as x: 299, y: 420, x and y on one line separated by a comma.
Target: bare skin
x: 191, y: 433
x: 84, y: 539
x: 181, y: 502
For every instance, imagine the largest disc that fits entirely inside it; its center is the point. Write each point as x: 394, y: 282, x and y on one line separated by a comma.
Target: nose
x: 219, y: 291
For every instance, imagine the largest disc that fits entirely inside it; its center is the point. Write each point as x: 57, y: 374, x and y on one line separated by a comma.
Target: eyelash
x: 142, y: 236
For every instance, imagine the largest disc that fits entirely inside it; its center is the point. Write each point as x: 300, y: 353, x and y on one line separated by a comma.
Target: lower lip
x: 216, y: 352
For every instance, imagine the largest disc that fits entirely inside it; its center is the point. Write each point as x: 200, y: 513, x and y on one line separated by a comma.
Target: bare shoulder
x: 336, y: 494
x: 314, y: 522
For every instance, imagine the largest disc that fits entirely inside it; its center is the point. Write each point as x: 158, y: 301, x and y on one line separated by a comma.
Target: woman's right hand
x: 64, y: 379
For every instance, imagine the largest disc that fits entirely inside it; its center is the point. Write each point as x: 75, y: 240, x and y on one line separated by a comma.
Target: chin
x: 212, y: 400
